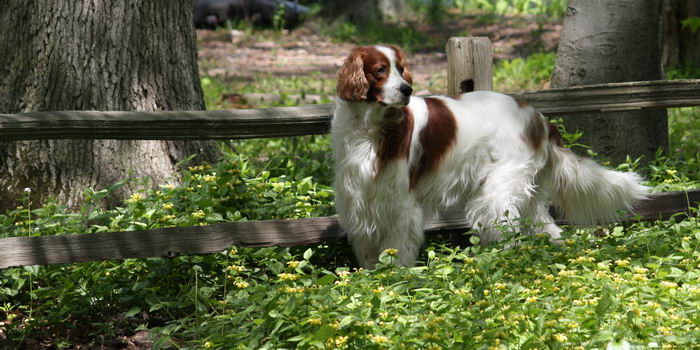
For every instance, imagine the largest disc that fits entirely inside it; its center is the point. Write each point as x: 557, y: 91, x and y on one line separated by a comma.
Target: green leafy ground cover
x: 636, y: 283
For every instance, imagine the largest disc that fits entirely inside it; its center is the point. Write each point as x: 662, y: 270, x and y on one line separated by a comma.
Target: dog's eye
x: 381, y: 70
x: 400, y: 69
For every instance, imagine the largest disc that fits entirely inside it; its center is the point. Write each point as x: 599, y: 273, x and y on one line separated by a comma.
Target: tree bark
x: 681, y: 45
x: 361, y: 11
x: 94, y: 55
x: 606, y: 41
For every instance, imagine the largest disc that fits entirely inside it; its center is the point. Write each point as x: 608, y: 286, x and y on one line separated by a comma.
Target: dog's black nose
x: 406, y: 89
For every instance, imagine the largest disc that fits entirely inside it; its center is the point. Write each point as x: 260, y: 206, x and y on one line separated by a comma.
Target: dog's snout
x: 406, y: 89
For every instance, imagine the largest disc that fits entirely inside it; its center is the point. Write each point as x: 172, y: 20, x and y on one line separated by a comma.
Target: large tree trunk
x: 606, y: 41
x: 360, y: 11
x: 99, y: 55
x: 681, y: 45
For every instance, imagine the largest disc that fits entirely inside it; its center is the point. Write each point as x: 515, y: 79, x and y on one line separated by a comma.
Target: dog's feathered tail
x: 588, y: 193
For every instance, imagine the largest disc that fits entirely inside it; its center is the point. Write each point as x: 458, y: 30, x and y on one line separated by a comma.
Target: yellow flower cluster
x: 379, y: 339
x: 622, y: 263
x: 135, y: 198
x: 241, y: 284
x: 560, y: 337
x: 337, y: 342
x: 198, y: 214
x: 288, y: 276
x: 236, y: 268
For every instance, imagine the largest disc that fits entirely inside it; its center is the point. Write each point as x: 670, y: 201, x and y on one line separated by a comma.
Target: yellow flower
x: 340, y: 341
x: 639, y: 277
x: 208, y: 345
x: 664, y: 330
x: 209, y: 178
x: 293, y: 264
x: 549, y: 277
x: 531, y: 299
x: 622, y: 263
x: 671, y: 171
x: 135, y: 198
x: 236, y: 268
x: 288, y: 276
x: 198, y: 214
x: 640, y: 270
x: 242, y: 284
x: 560, y: 337
x: 392, y: 251
x: 462, y: 292
x: 168, y: 206
x: 379, y: 339
x: 315, y: 321
x: 669, y: 285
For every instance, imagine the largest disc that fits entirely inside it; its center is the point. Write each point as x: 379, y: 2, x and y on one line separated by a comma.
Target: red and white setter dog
x: 401, y: 158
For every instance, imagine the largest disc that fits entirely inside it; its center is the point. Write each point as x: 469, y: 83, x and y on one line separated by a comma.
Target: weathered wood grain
x: 616, y: 97
x: 469, y: 58
x: 313, y: 119
x: 71, y: 248
x: 168, y: 125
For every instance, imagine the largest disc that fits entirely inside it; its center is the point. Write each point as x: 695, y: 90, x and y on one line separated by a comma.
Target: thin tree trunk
x: 605, y: 41
x: 681, y: 45
x: 99, y: 55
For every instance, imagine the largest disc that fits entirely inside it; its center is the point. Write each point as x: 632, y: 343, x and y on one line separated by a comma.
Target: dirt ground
x: 234, y: 54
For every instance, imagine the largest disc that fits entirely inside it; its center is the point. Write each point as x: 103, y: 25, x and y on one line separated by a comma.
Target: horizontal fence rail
x: 171, y: 242
x: 312, y: 119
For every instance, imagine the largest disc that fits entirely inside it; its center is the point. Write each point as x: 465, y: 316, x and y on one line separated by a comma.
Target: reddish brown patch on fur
x: 396, y: 135
x: 361, y: 77
x: 534, y: 132
x: 401, y: 64
x: 554, y: 135
x: 436, y: 138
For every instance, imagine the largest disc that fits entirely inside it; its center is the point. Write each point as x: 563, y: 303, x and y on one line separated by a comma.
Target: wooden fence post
x: 469, y: 68
x: 468, y: 59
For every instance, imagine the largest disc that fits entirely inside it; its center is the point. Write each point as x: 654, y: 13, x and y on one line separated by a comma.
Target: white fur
x: 490, y: 171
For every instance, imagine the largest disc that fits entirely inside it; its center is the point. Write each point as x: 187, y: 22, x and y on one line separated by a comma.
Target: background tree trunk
x: 101, y: 55
x: 360, y: 11
x: 605, y: 41
x: 681, y: 45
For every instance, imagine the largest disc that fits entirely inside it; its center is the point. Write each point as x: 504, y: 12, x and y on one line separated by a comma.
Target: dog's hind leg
x: 541, y: 220
x: 502, y: 200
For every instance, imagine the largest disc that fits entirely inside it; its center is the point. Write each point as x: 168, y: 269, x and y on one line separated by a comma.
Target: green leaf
x: 693, y: 23
x: 604, y: 304
x: 308, y: 253
x: 132, y: 311
x: 326, y: 280
x: 324, y: 332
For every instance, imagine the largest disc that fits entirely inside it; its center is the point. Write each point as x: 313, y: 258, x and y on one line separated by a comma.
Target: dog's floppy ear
x: 352, y: 83
x: 401, y: 62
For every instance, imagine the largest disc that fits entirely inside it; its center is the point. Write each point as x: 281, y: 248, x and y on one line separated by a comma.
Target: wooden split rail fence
x: 296, y: 121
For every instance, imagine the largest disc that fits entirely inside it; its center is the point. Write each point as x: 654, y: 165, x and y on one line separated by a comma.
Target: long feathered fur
x: 399, y: 162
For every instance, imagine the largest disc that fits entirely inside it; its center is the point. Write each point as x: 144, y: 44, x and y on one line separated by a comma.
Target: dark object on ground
x: 210, y: 14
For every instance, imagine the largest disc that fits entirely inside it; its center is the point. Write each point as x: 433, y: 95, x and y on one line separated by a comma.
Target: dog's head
x: 375, y: 74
